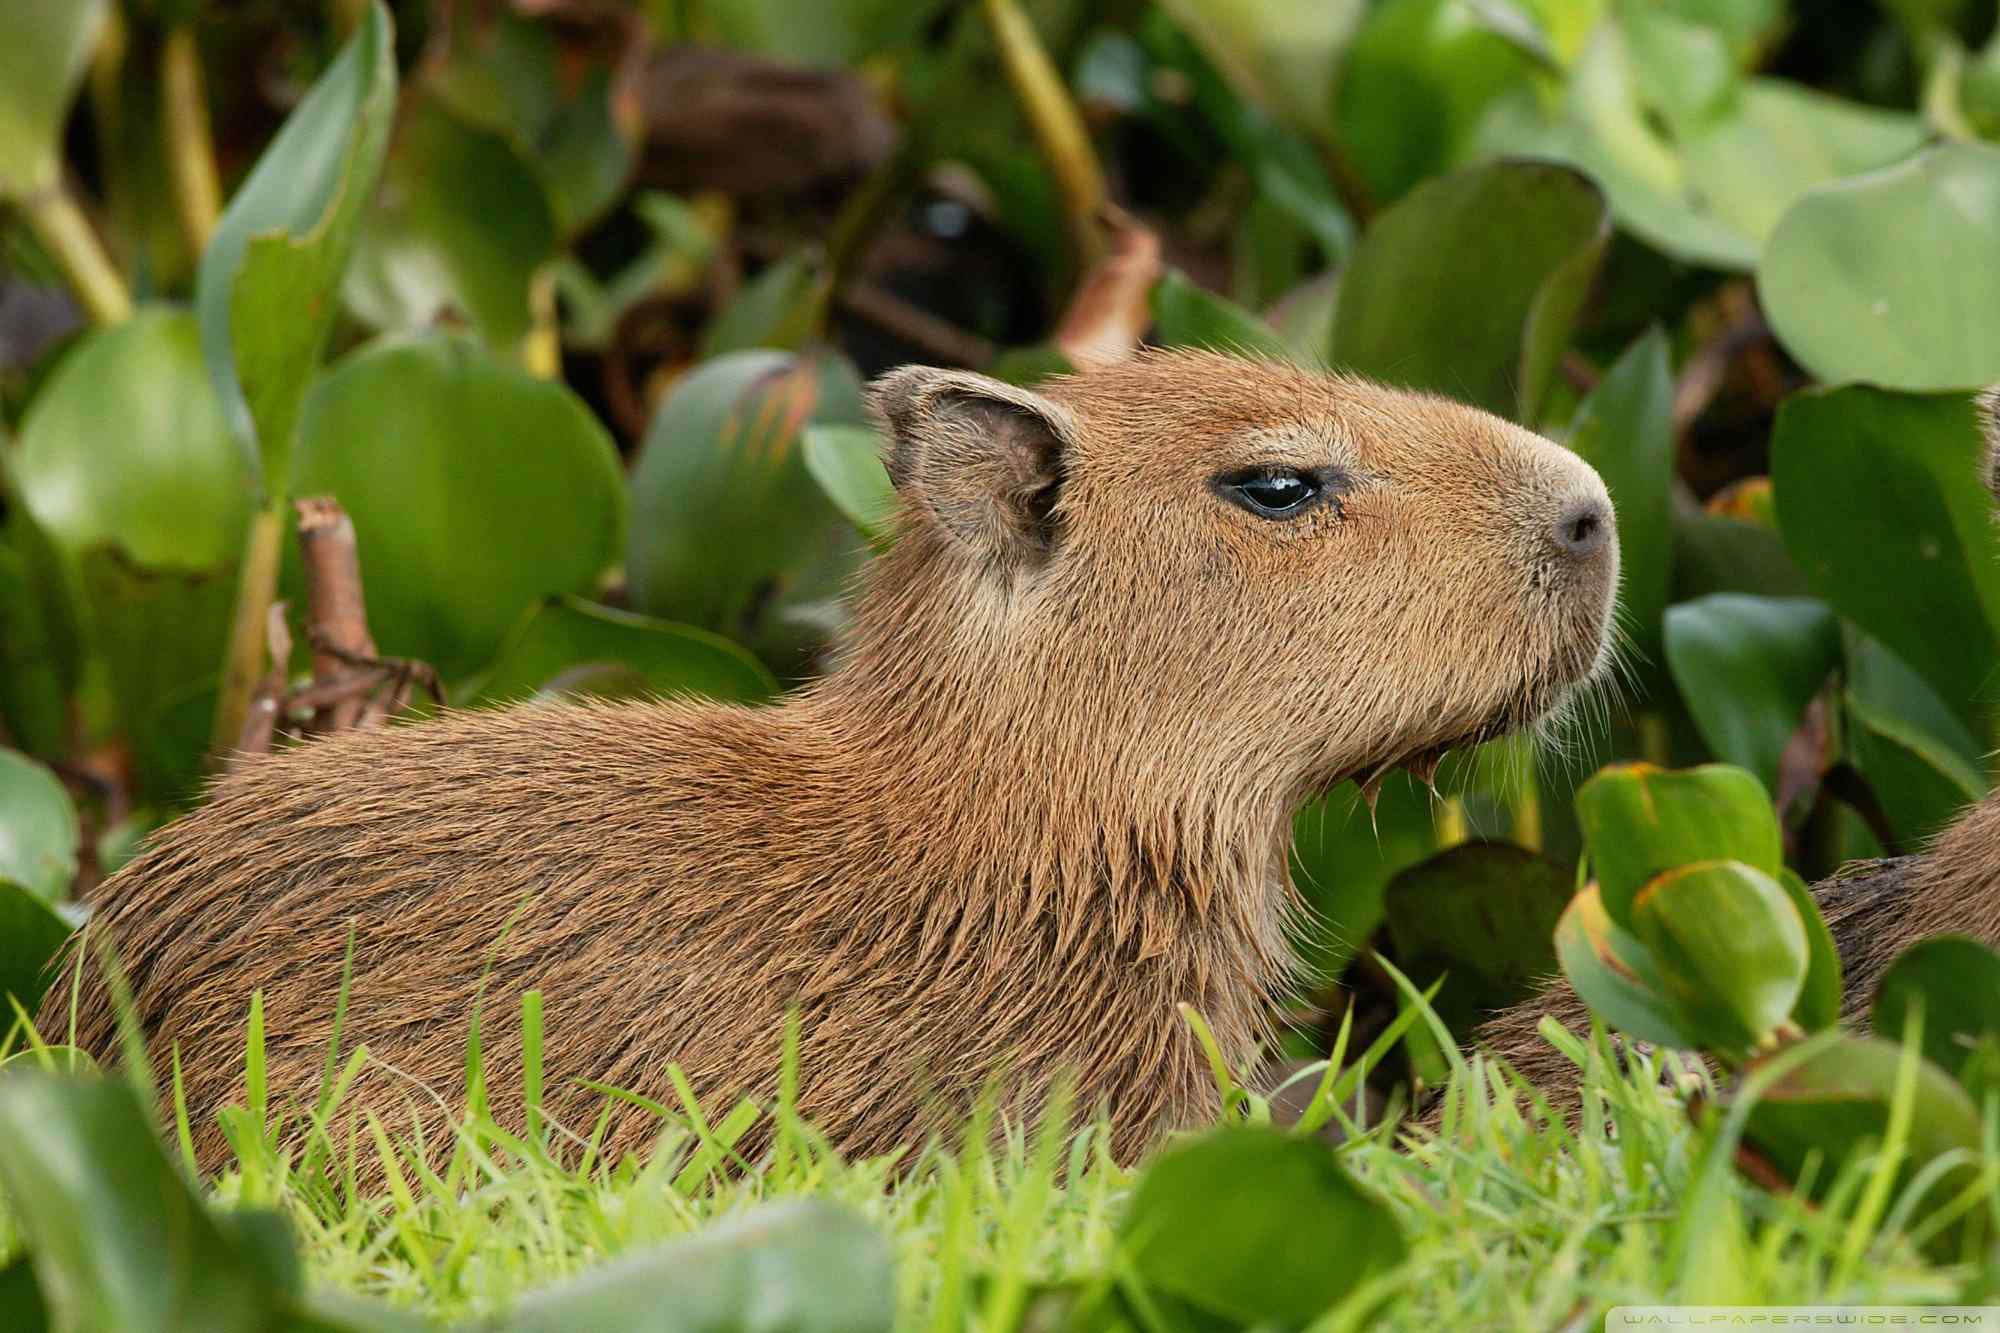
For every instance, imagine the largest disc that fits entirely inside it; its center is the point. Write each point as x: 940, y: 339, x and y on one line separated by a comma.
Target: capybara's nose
x: 1583, y: 529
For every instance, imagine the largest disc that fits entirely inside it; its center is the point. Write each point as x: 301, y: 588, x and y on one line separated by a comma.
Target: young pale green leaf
x: 1819, y: 996
x: 1888, y: 278
x: 1616, y: 976
x: 1955, y: 983
x: 41, y: 63
x: 1624, y: 429
x: 265, y: 294
x: 38, y: 832
x: 1470, y: 286
x: 1639, y: 820
x: 846, y: 461
x: 1256, y: 1227
x: 798, y: 1266
x: 31, y: 931
x: 1186, y: 315
x: 493, y: 492
x: 1275, y: 54
x: 571, y: 646
x: 1881, y: 507
x: 1483, y: 914
x: 1747, y: 667
x: 1731, y: 949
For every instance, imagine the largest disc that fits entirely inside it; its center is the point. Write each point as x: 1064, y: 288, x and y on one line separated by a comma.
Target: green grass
x: 1513, y: 1219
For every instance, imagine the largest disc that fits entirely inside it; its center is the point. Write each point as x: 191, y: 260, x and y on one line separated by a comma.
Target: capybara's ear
x: 1987, y: 404
x: 983, y: 459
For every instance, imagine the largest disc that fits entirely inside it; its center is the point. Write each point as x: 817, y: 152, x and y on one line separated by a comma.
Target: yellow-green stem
x: 190, y: 146
x: 256, y: 584
x: 67, y: 235
x: 1059, y: 130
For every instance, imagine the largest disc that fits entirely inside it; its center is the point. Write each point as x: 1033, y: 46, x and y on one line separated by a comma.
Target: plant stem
x: 1059, y: 130
x: 66, y: 234
x: 256, y: 584
x: 190, y: 146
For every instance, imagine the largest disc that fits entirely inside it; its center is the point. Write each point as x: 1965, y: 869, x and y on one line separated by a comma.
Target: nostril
x: 1583, y: 528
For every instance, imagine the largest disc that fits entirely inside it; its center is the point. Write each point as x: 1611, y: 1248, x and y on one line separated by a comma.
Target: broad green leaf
x: 1955, y: 982
x: 38, y: 832
x: 21, y: 1305
x: 31, y: 931
x: 1888, y: 277
x: 1717, y: 553
x: 1921, y: 761
x: 1640, y: 821
x: 796, y: 1266
x: 265, y: 295
x: 1185, y: 315
x: 1470, y: 285
x: 33, y: 683
x: 817, y: 32
x: 492, y: 491
x: 846, y: 461
x: 1343, y: 857
x: 1256, y: 1227
x: 1820, y: 996
x: 41, y: 63
x: 1624, y: 429
x: 1484, y: 913
x: 1747, y: 667
x: 1731, y: 948
x: 1275, y: 53
x: 725, y: 514
x: 459, y: 227
x: 571, y: 646
x: 780, y: 307
x: 1615, y: 974
x: 117, y: 1238
x: 1881, y: 507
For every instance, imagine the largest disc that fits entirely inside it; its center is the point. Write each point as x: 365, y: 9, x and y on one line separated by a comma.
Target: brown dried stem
x: 337, y: 613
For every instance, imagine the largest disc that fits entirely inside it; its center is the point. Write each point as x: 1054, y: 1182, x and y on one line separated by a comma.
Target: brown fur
x: 1046, y: 795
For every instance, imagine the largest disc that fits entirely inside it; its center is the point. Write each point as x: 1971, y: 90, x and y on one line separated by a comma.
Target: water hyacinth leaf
x: 265, y: 294
x: 1954, y: 982
x: 1730, y: 946
x: 1887, y: 278
x: 1747, y: 667
x: 1923, y: 763
x: 568, y: 645
x: 1343, y: 857
x: 1275, y: 53
x: 1639, y: 821
x: 492, y: 492
x: 41, y: 63
x: 33, y: 681
x: 1720, y: 553
x: 1256, y: 1227
x: 817, y: 32
x: 1471, y: 285
x: 1186, y: 315
x: 1482, y: 912
x: 1624, y: 429
x: 798, y: 1266
x: 847, y: 463
x: 31, y: 932
x: 21, y: 1306
x: 780, y: 307
x: 1818, y: 1004
x: 458, y: 227
x: 1840, y: 1098
x: 38, y: 830
x: 725, y: 514
x: 1880, y: 504
x: 1612, y: 971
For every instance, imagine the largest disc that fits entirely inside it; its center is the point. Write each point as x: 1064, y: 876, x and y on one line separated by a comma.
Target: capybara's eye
x: 1273, y: 492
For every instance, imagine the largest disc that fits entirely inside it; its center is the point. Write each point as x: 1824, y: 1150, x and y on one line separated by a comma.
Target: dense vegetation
x: 568, y: 303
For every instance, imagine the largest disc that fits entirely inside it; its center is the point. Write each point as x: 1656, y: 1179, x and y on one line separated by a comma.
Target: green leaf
x: 1256, y: 1227
x: 265, y: 295
x: 1820, y: 997
x: 31, y: 931
x: 817, y: 32
x: 846, y: 461
x: 1639, y: 821
x: 798, y: 1266
x: 460, y: 226
x: 1614, y: 973
x: 1484, y: 913
x: 1185, y: 315
x: 21, y: 1306
x: 38, y: 832
x: 1922, y: 763
x: 572, y: 646
x: 1343, y: 857
x: 1274, y: 52
x: 780, y: 307
x: 1470, y: 286
x: 1717, y: 553
x: 33, y: 682
x: 1624, y: 429
x: 41, y: 63
x: 725, y: 514
x: 1955, y: 982
x: 493, y: 492
x: 1730, y: 947
x: 1881, y: 507
x: 1888, y: 277
x: 1747, y: 667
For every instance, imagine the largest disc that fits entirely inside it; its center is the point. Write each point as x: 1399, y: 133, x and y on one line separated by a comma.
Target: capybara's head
x: 1219, y: 564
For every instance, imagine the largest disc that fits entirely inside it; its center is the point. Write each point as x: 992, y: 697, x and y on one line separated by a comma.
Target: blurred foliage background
x: 568, y: 304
